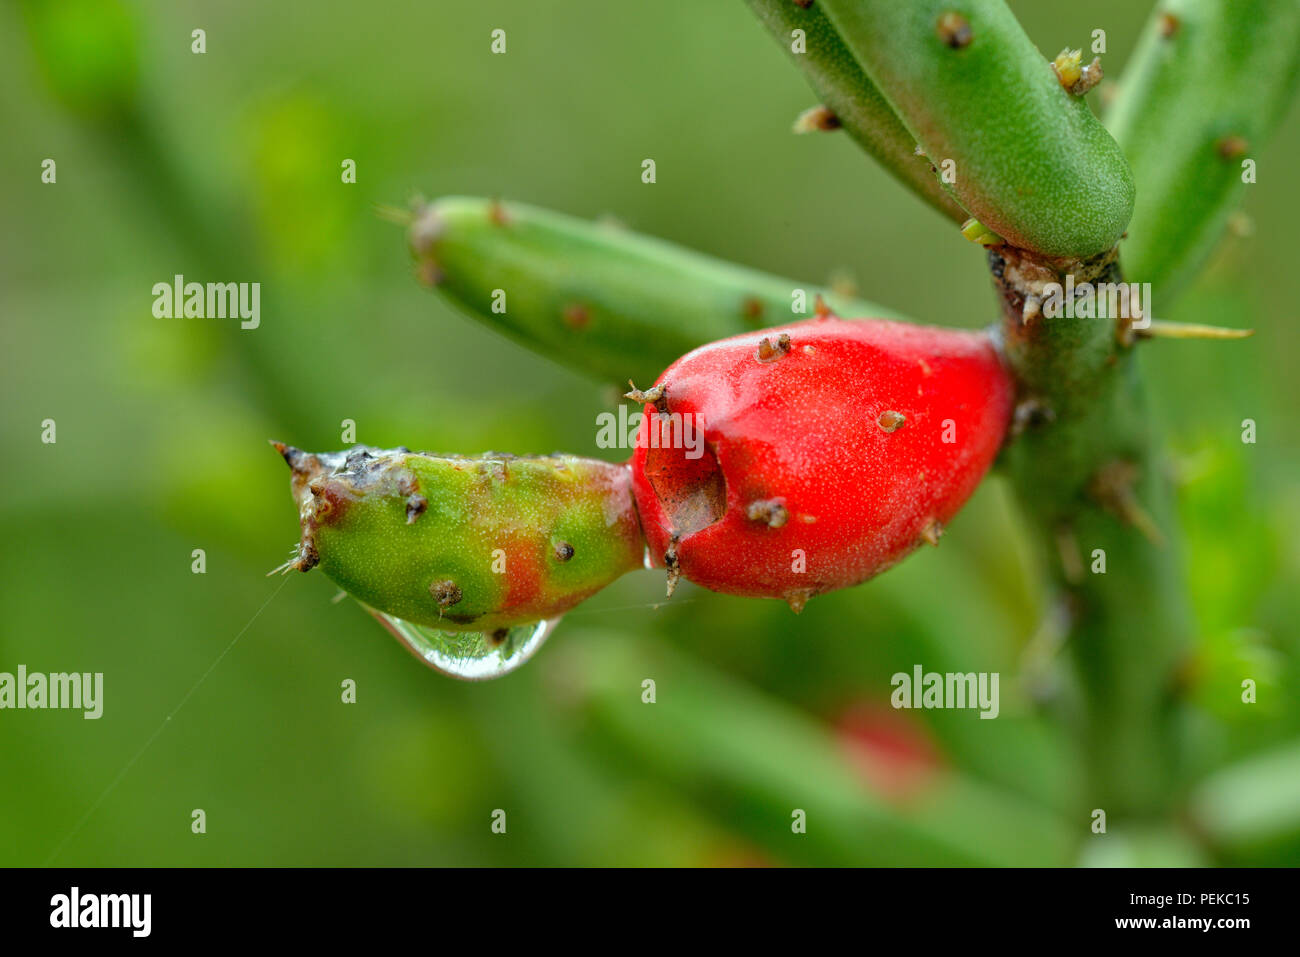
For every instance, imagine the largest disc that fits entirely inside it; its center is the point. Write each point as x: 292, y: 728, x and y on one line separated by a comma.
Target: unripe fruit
x: 464, y: 544
x: 831, y: 449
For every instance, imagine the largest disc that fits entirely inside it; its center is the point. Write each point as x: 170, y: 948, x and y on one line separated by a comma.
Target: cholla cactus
x: 956, y: 101
x: 796, y: 440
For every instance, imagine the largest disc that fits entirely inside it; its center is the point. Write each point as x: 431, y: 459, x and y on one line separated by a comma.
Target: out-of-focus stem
x: 1198, y: 101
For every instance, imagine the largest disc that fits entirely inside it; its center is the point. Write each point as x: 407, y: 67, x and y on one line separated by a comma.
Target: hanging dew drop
x: 469, y: 655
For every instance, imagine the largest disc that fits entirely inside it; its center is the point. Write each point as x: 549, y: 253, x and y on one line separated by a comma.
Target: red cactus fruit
x: 797, y: 460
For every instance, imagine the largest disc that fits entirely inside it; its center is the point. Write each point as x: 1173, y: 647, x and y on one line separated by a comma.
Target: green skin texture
x: 1229, y: 69
x: 479, y: 512
x: 645, y: 302
x: 1130, y: 627
x: 848, y: 92
x: 1032, y: 162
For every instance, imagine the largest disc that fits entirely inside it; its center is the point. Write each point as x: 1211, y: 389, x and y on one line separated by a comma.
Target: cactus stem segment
x: 816, y: 119
x: 601, y: 300
x: 1201, y: 89
x: 1032, y: 164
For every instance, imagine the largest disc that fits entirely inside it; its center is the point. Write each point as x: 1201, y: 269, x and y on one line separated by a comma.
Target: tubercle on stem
x: 1083, y: 465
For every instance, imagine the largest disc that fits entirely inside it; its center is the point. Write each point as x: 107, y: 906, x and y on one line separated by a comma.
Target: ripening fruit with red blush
x: 797, y: 460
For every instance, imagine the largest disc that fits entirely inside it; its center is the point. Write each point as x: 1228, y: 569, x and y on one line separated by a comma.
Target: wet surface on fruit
x: 465, y: 544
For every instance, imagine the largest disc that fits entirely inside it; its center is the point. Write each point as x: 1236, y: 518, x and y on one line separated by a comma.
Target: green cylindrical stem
x: 1088, y: 478
x: 1208, y: 83
x: 845, y: 89
x: 1030, y: 161
x: 597, y: 298
x: 734, y: 748
x: 464, y: 544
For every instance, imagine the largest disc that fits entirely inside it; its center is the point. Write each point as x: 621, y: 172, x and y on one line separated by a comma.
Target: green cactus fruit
x: 464, y: 544
x: 1028, y: 158
x: 597, y: 298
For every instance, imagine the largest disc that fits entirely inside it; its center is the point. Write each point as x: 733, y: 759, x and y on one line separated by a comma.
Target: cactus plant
x: 596, y: 297
x: 818, y: 464
x: 820, y: 438
x: 1207, y: 86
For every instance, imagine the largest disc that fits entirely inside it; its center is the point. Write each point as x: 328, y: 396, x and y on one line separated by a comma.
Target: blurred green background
x: 225, y: 166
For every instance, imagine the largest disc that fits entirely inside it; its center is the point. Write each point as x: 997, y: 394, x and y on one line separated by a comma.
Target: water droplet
x: 647, y: 561
x: 469, y: 655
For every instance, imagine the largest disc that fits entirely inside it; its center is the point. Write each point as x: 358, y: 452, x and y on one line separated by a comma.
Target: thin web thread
x: 153, y: 737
